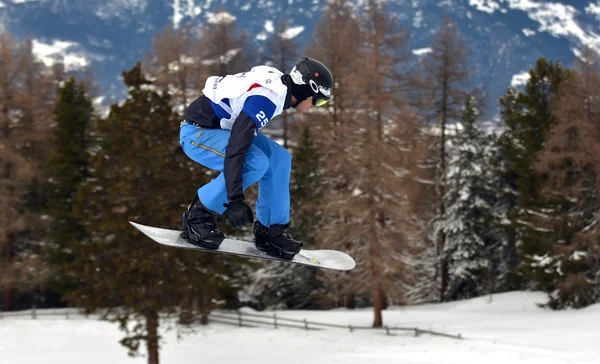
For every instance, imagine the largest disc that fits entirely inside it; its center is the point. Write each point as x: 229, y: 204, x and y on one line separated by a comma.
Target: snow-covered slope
x: 509, y: 329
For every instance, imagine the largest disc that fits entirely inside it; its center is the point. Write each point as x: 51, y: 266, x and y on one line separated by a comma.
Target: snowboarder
x: 220, y: 131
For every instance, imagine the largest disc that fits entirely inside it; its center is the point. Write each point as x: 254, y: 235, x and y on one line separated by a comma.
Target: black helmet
x: 311, y: 78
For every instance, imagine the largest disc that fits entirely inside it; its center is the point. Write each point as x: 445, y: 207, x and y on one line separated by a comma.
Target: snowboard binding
x: 275, y: 241
x: 199, y: 226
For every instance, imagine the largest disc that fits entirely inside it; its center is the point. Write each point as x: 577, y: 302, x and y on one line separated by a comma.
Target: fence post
x: 387, y: 330
x: 416, y: 331
x: 240, y: 318
x: 275, y: 319
x: 306, y: 324
x: 350, y: 327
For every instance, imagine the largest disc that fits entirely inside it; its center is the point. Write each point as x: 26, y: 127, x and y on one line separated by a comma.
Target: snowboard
x: 330, y: 259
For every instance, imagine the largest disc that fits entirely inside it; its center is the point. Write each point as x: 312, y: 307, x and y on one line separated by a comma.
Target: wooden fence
x: 241, y: 319
x: 253, y: 320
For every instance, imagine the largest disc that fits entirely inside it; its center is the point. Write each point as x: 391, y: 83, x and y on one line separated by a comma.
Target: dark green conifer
x: 66, y: 169
x: 141, y: 174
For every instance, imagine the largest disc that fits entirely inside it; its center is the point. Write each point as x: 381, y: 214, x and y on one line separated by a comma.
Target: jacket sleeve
x: 242, y: 135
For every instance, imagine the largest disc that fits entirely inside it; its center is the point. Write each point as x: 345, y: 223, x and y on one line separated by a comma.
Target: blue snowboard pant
x: 266, y: 162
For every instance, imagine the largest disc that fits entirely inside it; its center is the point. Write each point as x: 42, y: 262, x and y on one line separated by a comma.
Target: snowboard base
x: 330, y: 259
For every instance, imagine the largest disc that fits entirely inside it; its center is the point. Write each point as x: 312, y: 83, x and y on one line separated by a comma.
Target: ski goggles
x: 319, y: 100
x: 320, y: 93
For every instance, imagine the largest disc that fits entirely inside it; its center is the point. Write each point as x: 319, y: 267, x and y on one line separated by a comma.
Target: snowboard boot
x: 274, y: 240
x: 199, y: 226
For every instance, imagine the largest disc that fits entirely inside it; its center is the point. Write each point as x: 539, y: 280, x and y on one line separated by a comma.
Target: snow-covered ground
x: 509, y: 329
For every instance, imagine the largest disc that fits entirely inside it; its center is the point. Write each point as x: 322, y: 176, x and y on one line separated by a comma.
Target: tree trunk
x: 376, y: 279
x: 152, y: 341
x: 441, y: 234
x: 378, y: 305
x: 376, y: 274
x: 8, y: 285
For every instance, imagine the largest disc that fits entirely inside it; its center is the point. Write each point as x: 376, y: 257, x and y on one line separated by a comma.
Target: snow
x: 594, y: 9
x: 487, y: 6
x: 183, y: 8
x: 292, y: 32
x: 520, y: 79
x: 24, y: 1
x: 120, y: 8
x: 50, y: 53
x: 504, y: 328
x: 558, y: 19
x: 222, y: 17
x: 421, y: 51
x: 418, y: 19
x: 269, y: 27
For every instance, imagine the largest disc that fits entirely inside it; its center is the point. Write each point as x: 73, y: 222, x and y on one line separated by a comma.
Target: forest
x: 435, y: 201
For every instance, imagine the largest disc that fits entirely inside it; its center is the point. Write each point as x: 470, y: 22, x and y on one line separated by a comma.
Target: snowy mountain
x: 506, y: 36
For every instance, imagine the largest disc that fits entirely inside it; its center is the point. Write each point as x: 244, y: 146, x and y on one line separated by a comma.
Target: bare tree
x: 332, y: 126
x: 444, y: 86
x: 26, y: 92
x: 389, y: 129
x: 367, y: 137
x: 14, y: 170
x: 223, y: 50
x: 283, y: 55
x: 569, y: 161
x: 174, y: 66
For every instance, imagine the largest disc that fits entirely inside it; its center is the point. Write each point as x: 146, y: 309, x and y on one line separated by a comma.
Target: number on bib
x: 262, y: 118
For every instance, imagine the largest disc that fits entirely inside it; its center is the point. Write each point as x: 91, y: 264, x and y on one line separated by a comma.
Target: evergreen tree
x: 141, y: 174
x: 306, y: 189
x: 504, y: 179
x: 527, y: 120
x: 66, y: 170
x: 469, y: 218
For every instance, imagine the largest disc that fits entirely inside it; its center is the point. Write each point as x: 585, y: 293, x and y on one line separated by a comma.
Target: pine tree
x: 66, y: 170
x: 527, y: 120
x: 141, y: 174
x: 306, y: 188
x: 504, y: 179
x: 469, y: 217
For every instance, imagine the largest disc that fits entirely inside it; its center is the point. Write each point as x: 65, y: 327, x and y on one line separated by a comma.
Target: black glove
x: 239, y: 214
